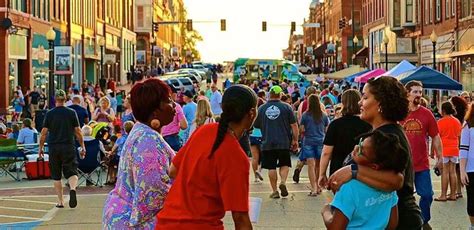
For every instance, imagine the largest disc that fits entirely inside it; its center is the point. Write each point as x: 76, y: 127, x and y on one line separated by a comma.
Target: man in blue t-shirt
x: 189, y: 111
x: 81, y: 112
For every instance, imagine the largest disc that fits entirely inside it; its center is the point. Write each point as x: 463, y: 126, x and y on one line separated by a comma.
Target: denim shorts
x: 255, y: 140
x: 311, y: 151
x: 446, y: 160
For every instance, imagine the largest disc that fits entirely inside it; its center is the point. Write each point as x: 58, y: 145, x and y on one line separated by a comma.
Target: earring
x: 155, y: 124
x: 380, y: 109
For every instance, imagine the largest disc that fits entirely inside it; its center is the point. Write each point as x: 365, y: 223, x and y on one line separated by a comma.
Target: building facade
x: 331, y: 43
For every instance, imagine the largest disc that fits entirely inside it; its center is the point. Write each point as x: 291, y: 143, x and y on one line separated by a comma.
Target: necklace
x: 231, y: 130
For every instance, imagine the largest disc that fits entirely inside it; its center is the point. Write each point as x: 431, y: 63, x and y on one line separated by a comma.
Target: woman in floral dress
x: 143, y: 181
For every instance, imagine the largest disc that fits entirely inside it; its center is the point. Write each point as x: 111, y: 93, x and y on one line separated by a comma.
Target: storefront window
x: 467, y: 73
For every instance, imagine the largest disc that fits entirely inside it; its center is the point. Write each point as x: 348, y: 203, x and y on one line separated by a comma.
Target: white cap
x: 109, y: 91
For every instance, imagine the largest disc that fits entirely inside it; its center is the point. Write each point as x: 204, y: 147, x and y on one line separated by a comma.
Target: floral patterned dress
x: 142, y: 181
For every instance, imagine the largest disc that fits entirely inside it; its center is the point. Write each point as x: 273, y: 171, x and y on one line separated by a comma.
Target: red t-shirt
x: 450, y: 132
x: 418, y: 126
x: 205, y: 188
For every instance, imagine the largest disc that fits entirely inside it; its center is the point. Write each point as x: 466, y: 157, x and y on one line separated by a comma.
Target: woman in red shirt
x: 212, y: 178
x: 450, y: 132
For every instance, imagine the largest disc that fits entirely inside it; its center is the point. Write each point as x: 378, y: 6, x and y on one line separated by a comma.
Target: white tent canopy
x: 402, y: 67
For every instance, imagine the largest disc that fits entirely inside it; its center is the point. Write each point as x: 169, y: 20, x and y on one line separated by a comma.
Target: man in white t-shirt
x: 216, y: 100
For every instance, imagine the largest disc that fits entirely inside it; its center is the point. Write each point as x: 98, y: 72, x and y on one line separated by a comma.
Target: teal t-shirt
x: 364, y: 206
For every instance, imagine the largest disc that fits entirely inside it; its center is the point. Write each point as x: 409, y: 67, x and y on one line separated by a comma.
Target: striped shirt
x: 467, y: 147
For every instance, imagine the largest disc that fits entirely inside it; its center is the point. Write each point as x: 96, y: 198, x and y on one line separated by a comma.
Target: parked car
x: 179, y: 82
x: 304, y: 69
x: 194, y: 76
x: 200, y: 76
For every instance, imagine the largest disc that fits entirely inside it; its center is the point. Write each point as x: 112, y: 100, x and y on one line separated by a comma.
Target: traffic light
x: 189, y: 24
x: 223, y: 25
x: 342, y: 23
x: 293, y: 27
x: 264, y: 26
x: 155, y: 26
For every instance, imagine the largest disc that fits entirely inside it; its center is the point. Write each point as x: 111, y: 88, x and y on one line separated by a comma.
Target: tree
x: 188, y: 38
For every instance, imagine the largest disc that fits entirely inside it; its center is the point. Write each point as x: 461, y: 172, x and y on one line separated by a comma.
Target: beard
x: 416, y: 100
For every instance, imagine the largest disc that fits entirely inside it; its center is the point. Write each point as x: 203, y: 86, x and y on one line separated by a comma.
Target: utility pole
x: 353, y: 31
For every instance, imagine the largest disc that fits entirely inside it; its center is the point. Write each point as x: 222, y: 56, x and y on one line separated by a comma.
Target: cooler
x: 37, y: 168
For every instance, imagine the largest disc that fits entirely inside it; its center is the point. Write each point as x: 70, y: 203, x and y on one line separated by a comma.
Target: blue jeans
x: 174, y: 141
x: 424, y: 189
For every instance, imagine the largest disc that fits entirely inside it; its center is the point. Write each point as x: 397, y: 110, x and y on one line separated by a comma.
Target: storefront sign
x: 404, y: 45
x: 110, y: 58
x: 62, y: 60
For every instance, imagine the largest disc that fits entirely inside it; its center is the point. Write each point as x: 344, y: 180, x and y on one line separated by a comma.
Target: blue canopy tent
x: 402, y: 67
x: 431, y: 79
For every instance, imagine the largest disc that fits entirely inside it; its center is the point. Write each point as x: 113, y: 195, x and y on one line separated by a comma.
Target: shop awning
x: 320, y: 51
x: 344, y: 73
x: 362, y: 53
x: 462, y: 53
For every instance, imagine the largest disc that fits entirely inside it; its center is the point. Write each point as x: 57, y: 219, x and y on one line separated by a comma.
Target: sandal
x: 458, y: 195
x: 59, y: 206
x: 314, y: 194
x: 440, y: 200
x: 452, y: 198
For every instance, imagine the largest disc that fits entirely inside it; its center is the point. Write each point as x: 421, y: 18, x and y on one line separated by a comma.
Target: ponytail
x: 221, y: 131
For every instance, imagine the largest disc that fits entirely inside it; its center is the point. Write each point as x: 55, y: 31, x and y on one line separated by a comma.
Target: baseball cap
x: 109, y: 91
x: 60, y: 94
x: 276, y: 89
x: 189, y: 94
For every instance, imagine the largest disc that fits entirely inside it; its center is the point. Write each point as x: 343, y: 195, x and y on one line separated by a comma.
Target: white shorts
x: 452, y: 159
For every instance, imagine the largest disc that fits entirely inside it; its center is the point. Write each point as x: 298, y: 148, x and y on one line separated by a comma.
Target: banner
x: 141, y: 54
x: 62, y: 60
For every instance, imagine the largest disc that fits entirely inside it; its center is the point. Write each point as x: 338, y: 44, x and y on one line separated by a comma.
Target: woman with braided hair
x: 212, y: 177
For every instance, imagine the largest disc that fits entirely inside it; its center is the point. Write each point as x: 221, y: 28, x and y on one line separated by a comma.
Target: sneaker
x: 296, y: 175
x: 427, y: 226
x: 275, y: 195
x: 284, y: 191
x: 259, y: 176
x: 72, y: 199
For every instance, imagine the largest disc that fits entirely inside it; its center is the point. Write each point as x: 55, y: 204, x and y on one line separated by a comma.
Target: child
x: 115, y: 153
x: 356, y: 205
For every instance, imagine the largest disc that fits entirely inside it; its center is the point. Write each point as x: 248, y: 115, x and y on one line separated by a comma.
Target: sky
x: 244, y: 36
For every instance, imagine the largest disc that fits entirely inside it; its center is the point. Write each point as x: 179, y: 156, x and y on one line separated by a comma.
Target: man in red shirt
x: 419, y: 125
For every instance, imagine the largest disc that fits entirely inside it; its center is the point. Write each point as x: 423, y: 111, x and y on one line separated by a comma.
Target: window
x: 431, y: 10
x: 427, y: 12
x: 396, y: 13
x: 466, y: 8
x: 453, y: 7
x: 438, y: 10
x: 140, y: 16
x: 447, y: 9
x: 409, y: 10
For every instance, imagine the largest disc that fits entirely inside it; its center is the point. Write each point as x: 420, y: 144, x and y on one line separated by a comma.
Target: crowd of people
x: 179, y: 158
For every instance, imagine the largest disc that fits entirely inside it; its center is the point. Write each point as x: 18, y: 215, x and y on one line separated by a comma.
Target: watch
x: 354, y: 169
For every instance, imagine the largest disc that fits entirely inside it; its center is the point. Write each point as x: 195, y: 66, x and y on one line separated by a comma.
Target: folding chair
x: 9, y: 156
x: 91, y: 164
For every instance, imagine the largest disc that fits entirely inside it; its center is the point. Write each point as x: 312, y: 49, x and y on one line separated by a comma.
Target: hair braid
x: 221, y: 131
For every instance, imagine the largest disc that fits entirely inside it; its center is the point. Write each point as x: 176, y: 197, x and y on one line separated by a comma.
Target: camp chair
x: 9, y: 156
x: 91, y: 164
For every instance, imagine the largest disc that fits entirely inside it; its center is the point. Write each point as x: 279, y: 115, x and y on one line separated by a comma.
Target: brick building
x: 23, y: 45
x: 333, y: 47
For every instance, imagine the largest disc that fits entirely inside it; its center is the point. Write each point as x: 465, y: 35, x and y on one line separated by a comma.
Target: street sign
x: 312, y: 25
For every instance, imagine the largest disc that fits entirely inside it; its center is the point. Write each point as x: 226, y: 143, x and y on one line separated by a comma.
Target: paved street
x: 28, y: 204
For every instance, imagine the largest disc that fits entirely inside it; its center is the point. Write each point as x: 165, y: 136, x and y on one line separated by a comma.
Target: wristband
x: 354, y: 169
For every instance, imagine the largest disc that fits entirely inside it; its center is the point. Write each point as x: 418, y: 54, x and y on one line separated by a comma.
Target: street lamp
x: 355, y: 40
x: 386, y: 41
x: 102, y: 81
x: 336, y: 39
x: 51, y: 36
x: 152, y: 44
x: 434, y: 39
